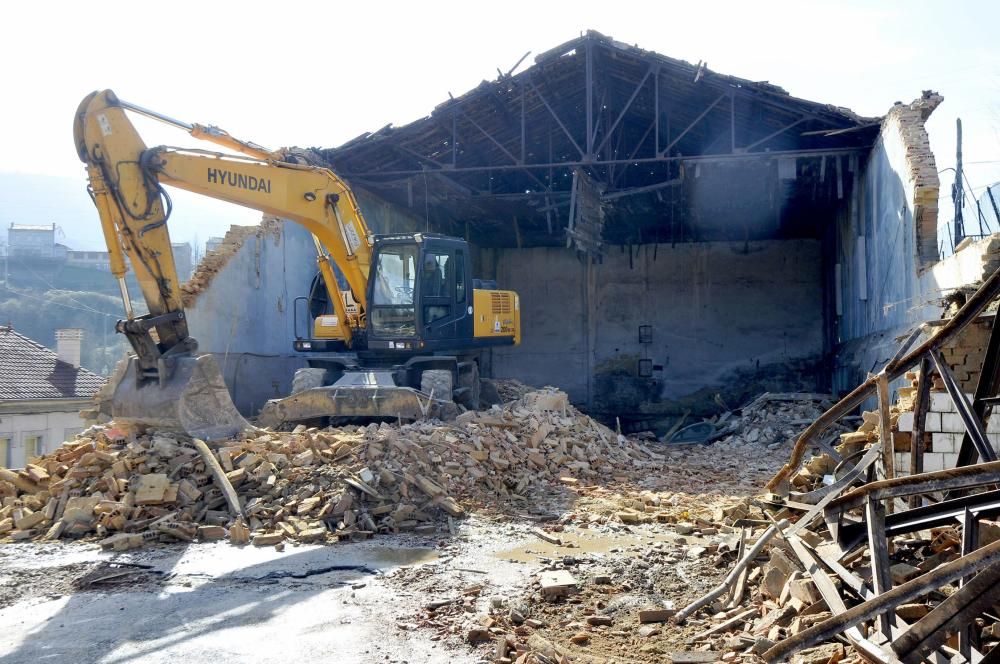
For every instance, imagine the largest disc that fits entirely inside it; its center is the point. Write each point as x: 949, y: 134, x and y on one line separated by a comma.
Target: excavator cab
x: 420, y: 297
x: 417, y: 354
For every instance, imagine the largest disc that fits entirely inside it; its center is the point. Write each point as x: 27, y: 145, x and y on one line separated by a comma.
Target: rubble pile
x: 510, y: 389
x: 311, y: 485
x: 771, y: 419
x: 843, y: 557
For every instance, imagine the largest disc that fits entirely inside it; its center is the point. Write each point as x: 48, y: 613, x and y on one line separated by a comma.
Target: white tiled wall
x: 946, y: 429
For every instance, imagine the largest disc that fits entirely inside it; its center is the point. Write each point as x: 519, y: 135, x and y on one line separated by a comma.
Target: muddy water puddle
x: 576, y: 542
x: 399, y: 556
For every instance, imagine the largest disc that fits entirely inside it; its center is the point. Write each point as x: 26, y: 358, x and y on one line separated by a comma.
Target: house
x: 41, y: 393
x: 101, y: 260
x: 32, y: 240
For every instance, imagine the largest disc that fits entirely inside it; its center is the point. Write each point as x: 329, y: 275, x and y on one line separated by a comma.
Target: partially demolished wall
x: 886, y: 243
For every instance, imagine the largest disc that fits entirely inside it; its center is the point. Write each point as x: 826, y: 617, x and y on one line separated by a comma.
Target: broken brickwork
x: 908, y: 121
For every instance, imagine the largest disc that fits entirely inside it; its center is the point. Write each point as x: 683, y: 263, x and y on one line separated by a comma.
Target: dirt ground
x: 457, y: 595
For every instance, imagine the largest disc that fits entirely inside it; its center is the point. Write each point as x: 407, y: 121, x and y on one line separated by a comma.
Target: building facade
x: 32, y: 241
x: 41, y: 394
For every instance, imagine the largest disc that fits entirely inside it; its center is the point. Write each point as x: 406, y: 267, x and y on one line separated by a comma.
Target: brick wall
x: 943, y: 428
x: 908, y: 120
x: 943, y: 437
x: 965, y: 354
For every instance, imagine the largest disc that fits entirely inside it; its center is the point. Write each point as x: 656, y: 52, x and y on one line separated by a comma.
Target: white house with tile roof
x: 41, y: 394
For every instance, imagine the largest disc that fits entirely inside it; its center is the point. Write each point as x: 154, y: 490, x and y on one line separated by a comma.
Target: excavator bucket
x: 193, y: 400
x: 358, y: 395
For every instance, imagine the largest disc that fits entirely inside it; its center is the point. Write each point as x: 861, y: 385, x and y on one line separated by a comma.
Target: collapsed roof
x: 640, y: 125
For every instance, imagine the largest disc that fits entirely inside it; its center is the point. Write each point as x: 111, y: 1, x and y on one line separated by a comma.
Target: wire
x: 52, y: 287
x: 54, y: 302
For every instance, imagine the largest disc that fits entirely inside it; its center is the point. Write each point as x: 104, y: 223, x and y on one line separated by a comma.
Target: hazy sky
x: 318, y: 74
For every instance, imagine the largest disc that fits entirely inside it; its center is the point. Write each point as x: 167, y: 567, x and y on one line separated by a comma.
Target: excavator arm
x: 127, y: 178
x: 126, y: 183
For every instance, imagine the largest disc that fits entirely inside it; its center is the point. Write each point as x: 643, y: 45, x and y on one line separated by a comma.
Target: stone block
x: 950, y: 460
x: 945, y: 442
x: 941, y: 403
x: 933, y: 422
x: 933, y: 461
x: 557, y: 583
x: 905, y: 422
x: 912, y: 612
x: 952, y: 423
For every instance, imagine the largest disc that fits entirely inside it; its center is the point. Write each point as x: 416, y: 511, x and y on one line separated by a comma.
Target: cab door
x: 445, y: 294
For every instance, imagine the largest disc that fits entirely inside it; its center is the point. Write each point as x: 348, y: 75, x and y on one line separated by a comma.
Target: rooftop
x: 29, y: 371
x: 629, y: 118
x: 32, y: 227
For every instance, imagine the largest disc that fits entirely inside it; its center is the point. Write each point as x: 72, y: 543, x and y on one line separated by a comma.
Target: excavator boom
x: 165, y: 384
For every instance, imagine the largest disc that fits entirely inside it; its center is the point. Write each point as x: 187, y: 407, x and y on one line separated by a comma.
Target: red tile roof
x: 29, y: 370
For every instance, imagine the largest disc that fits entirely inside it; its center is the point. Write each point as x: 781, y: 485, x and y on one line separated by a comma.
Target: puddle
x: 575, y: 542
x: 399, y: 556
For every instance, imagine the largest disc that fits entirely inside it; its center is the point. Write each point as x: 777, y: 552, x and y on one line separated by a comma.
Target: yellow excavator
x: 399, y: 340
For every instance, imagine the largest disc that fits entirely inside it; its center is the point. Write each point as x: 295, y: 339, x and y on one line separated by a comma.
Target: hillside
x: 41, y: 297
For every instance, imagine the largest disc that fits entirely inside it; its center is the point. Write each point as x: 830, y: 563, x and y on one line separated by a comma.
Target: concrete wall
x: 723, y: 321
x: 887, y: 245
x: 244, y: 315
x: 53, y: 427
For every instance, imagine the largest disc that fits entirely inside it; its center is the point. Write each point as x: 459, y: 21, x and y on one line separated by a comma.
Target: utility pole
x: 957, y: 191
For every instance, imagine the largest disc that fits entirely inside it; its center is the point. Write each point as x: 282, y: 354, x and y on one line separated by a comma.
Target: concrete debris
x: 770, y: 419
x: 888, y: 559
x: 310, y: 485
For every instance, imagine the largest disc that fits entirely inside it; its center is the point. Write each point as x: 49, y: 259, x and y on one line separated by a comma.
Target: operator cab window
x: 435, y: 277
x: 393, y: 313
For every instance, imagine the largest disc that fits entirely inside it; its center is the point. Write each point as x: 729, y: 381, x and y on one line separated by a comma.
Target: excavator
x: 399, y: 339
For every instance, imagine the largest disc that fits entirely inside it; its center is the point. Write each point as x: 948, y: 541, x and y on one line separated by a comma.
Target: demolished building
x: 675, y: 234
x: 681, y: 241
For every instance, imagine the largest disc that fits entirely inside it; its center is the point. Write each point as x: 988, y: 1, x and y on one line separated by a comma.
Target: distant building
x: 183, y: 259
x: 100, y: 260
x: 41, y: 394
x: 97, y: 260
x: 213, y: 243
x: 32, y: 241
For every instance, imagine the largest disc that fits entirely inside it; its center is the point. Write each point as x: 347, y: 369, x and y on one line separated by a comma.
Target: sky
x: 316, y: 74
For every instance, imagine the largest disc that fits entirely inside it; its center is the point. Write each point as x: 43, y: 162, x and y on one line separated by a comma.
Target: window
x: 392, y: 312
x: 433, y: 312
x: 434, y: 275
x: 32, y: 447
x: 394, y: 275
x: 4, y: 452
x: 459, y: 277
